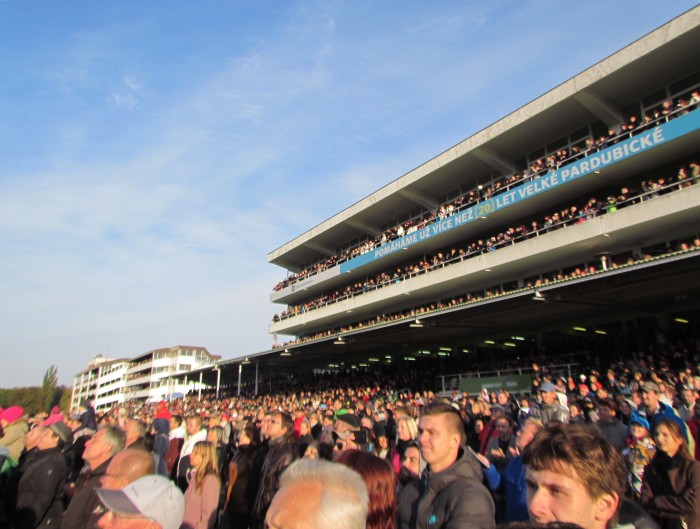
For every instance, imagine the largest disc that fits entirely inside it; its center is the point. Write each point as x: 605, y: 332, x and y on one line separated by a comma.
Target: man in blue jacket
x: 511, y: 483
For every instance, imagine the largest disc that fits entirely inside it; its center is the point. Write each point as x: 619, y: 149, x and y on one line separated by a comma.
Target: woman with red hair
x: 380, y: 480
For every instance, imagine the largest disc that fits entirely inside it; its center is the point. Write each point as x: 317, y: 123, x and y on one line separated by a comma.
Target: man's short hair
x: 196, y: 418
x: 505, y: 419
x: 344, y: 499
x: 536, y: 422
x: 452, y: 416
x: 141, y: 427
x: 610, y: 404
x: 579, y: 452
x: 115, y: 437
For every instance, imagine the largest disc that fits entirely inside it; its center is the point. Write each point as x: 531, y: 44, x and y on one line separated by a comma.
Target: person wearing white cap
x: 150, y: 502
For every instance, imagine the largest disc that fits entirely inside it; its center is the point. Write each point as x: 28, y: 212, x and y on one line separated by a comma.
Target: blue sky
x: 152, y: 153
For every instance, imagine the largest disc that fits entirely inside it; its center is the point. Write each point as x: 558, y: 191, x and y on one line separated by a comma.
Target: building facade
x: 147, y: 378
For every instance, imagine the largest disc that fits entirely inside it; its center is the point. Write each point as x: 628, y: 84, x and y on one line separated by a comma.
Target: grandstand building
x: 455, y: 234
x: 146, y: 378
x: 575, y: 219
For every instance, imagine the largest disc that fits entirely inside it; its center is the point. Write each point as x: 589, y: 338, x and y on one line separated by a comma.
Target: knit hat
x: 636, y: 418
x: 680, y: 422
x: 53, y: 419
x: 12, y: 414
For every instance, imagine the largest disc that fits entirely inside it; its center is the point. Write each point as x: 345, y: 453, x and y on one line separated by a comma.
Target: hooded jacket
x: 88, y: 418
x: 161, y: 445
x: 452, y: 499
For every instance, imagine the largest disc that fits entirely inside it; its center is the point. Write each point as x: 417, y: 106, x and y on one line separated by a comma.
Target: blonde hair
x: 208, y: 465
x: 410, y: 425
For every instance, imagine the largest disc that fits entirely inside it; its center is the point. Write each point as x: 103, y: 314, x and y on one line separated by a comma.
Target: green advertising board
x: 513, y: 383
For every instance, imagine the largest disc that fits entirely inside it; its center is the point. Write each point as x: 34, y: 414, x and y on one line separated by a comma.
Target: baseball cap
x: 351, y: 420
x: 547, y: 387
x: 154, y: 497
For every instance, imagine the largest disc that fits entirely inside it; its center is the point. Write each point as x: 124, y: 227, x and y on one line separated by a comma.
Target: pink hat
x: 53, y: 419
x: 12, y: 414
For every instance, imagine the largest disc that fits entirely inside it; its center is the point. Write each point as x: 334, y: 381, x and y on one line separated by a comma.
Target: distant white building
x: 147, y: 377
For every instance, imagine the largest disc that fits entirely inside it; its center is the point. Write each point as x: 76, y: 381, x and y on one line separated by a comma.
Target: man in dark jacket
x: 450, y: 494
x: 253, y: 485
x: 610, y: 426
x: 39, y: 498
x: 281, y: 454
x: 31, y: 449
x: 98, y: 453
x: 88, y: 418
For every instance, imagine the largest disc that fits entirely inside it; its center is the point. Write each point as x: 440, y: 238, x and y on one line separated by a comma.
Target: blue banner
x: 640, y: 143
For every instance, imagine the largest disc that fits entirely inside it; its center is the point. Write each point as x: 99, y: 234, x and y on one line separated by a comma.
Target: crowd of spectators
x: 687, y: 175
x: 664, y: 112
x: 598, y: 266
x: 228, y: 453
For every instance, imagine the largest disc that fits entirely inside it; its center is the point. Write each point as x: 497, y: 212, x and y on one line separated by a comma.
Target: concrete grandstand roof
x: 598, y: 93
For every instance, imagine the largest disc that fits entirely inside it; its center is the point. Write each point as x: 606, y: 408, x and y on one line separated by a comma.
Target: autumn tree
x: 49, y: 389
